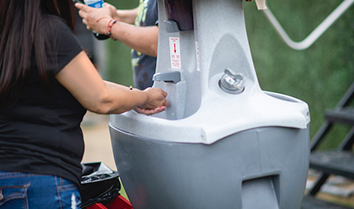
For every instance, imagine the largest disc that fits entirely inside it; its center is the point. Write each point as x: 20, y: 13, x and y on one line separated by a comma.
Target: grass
x: 319, y: 75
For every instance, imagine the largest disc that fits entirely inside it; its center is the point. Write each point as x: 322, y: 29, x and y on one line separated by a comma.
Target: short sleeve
x: 68, y: 47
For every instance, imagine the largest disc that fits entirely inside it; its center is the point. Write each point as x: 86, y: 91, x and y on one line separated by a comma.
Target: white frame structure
x: 316, y: 33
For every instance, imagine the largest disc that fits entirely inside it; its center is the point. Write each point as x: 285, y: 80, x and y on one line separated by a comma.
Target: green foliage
x: 319, y: 75
x: 119, y: 65
x: 119, y: 68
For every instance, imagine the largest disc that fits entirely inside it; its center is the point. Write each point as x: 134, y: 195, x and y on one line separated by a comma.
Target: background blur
x: 319, y: 75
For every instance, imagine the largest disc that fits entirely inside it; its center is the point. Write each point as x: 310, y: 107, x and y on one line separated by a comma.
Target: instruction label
x: 175, y: 53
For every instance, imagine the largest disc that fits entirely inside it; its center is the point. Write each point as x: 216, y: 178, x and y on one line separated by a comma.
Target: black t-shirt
x: 41, y: 133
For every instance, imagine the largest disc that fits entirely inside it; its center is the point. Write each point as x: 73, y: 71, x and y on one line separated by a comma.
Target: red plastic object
x: 119, y: 203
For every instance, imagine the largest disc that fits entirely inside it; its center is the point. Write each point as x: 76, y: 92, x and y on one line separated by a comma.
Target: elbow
x: 152, y: 48
x: 105, y: 107
x: 154, y: 51
x: 149, y: 50
x: 102, y: 109
x: 154, y: 43
x: 101, y: 105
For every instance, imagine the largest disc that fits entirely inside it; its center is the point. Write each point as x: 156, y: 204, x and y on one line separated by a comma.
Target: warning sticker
x: 175, y: 53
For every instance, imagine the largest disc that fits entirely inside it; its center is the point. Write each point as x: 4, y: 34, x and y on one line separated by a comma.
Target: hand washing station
x: 223, y: 142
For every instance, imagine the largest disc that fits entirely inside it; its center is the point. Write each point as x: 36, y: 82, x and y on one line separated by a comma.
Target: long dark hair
x: 26, y: 31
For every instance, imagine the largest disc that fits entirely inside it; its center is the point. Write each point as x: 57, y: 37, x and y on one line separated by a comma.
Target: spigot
x: 174, y: 77
x: 233, y: 83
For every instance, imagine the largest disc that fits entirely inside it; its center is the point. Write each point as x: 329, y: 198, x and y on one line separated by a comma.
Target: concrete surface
x: 97, y: 140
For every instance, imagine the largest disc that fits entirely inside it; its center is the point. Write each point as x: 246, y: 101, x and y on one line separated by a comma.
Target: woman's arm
x: 126, y: 16
x: 83, y: 81
x: 142, y: 39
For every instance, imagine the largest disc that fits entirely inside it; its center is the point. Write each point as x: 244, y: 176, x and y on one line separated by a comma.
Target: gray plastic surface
x: 248, y: 170
x: 211, y: 149
x: 173, y: 76
x: 171, y: 26
x: 260, y: 193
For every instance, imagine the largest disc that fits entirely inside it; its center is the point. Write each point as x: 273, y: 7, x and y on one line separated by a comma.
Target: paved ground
x: 97, y: 140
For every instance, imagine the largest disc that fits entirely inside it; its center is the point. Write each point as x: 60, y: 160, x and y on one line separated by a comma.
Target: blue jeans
x: 33, y: 191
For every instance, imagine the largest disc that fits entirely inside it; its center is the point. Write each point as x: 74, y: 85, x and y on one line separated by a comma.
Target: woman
x: 46, y: 85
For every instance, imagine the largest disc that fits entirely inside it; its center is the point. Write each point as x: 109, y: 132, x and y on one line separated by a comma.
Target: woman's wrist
x: 145, y: 98
x: 142, y: 96
x: 106, y: 23
x: 126, y: 16
x: 102, y: 24
x: 116, y: 15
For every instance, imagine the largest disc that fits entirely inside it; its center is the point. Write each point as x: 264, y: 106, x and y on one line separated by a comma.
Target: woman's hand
x: 149, y: 111
x: 113, y: 11
x: 156, y: 102
x: 96, y: 19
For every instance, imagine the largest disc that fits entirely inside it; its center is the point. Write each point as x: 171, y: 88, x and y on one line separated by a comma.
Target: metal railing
x: 316, y: 33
